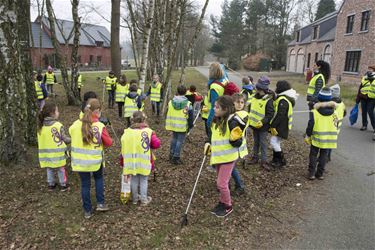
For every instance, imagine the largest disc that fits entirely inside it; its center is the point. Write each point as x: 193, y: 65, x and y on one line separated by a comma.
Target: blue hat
x: 325, y: 95
x: 263, y: 83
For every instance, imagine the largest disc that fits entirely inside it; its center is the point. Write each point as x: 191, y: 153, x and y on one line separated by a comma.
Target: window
x: 365, y: 20
x: 308, y: 59
x: 352, y: 61
x: 316, y: 57
x: 99, y: 43
x: 99, y: 60
x: 91, y: 61
x: 298, y: 34
x: 315, y: 34
x: 350, y: 24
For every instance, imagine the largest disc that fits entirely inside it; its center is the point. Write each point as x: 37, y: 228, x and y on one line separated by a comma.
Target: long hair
x: 325, y: 69
x: 48, y: 110
x: 226, y: 104
x: 87, y: 133
x: 215, y: 71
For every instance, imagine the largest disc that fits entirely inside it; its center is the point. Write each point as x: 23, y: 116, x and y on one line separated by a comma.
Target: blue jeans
x: 236, y: 177
x: 178, y: 139
x: 86, y: 186
x: 155, y: 107
x: 260, y: 141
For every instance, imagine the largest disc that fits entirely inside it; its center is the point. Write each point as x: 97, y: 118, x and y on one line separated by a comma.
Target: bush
x: 252, y: 62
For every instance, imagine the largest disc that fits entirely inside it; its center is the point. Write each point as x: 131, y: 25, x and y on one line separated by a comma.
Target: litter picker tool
x: 184, y: 220
x: 195, y: 120
x: 114, y: 132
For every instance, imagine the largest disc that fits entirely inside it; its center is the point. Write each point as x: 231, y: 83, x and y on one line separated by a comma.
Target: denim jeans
x: 49, y: 88
x: 86, y: 185
x: 314, y: 160
x: 155, y: 107
x: 236, y: 177
x: 61, y: 173
x: 260, y: 141
x: 178, y: 139
x: 111, y: 98
x: 140, y: 181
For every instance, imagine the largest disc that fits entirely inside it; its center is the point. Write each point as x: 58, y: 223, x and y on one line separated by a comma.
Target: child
x: 261, y: 114
x: 136, y: 144
x: 140, y: 94
x: 133, y: 102
x: 247, y: 89
x: 89, y: 136
x: 155, y: 92
x: 223, y: 154
x: 110, y: 85
x: 40, y: 89
x: 86, y: 96
x: 195, y: 98
x: 282, y: 122
x: 79, y: 83
x: 121, y: 91
x: 321, y: 133
x: 205, y: 112
x: 179, y: 120
x: 52, y: 141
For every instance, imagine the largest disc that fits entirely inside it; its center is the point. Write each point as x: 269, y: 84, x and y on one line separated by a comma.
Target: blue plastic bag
x: 353, y: 115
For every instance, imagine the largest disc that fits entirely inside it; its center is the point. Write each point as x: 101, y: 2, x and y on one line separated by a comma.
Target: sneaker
x: 320, y: 177
x: 218, y: 207
x: 146, y: 202
x: 51, y: 187
x: 363, y: 128
x: 177, y: 161
x: 238, y: 191
x: 211, y: 168
x: 311, y: 177
x: 253, y: 161
x: 64, y: 188
x: 102, y: 207
x: 224, y: 211
x: 88, y: 214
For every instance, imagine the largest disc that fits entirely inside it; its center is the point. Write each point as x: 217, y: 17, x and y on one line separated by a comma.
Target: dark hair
x: 237, y: 96
x: 133, y: 81
x: 123, y: 79
x: 133, y: 87
x: 192, y: 88
x: 282, y: 86
x: 39, y: 77
x: 86, y: 96
x: 325, y: 69
x: 226, y: 103
x: 138, y: 117
x: 48, y: 109
x: 251, y: 78
x: 87, y: 133
x: 181, y: 90
x: 246, y: 80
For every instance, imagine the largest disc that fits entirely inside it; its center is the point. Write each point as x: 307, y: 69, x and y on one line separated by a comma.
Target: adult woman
x: 322, y: 73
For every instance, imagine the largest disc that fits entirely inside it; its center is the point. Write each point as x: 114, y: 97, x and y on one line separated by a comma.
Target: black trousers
x: 120, y: 105
x: 317, y: 164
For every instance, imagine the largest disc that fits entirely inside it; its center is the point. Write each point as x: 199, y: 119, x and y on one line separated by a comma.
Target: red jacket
x: 106, y: 138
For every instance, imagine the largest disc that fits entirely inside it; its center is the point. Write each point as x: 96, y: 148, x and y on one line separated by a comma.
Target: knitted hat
x: 263, y: 83
x: 49, y: 68
x: 335, y: 91
x: 325, y: 95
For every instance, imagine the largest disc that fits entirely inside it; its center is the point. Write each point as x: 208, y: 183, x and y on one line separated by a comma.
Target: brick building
x: 94, y: 49
x: 344, y: 38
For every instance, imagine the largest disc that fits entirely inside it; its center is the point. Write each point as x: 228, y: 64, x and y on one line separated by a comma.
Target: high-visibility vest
x: 109, y: 82
x: 136, y: 151
x: 130, y: 106
x: 120, y: 93
x: 311, y: 88
x: 139, y: 92
x: 243, y: 148
x: 50, y: 78
x: 155, y: 92
x: 221, y: 149
x: 79, y: 81
x: 51, y: 147
x: 86, y: 158
x: 38, y: 90
x: 249, y: 96
x: 205, y: 105
x: 340, y: 109
x: 177, y: 119
x: 257, y: 110
x: 371, y: 92
x: 324, y: 133
x: 290, y: 109
x: 219, y: 90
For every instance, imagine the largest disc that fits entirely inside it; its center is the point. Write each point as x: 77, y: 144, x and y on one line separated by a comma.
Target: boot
x: 176, y: 161
x: 276, y: 161
x: 282, y: 159
x: 274, y: 158
x: 253, y: 161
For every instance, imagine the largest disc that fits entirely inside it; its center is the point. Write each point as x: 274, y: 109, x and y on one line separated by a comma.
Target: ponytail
x: 87, y: 133
x: 48, y: 110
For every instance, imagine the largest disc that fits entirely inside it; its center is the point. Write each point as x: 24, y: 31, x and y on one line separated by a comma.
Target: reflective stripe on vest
x: 311, y: 88
x: 136, y: 151
x: 50, y: 78
x: 38, y: 90
x: 290, y: 109
x: 340, y: 109
x: 155, y: 92
x: 221, y: 149
x: 109, y: 82
x: 257, y: 110
x: 130, y: 106
x: 120, y: 93
x: 86, y: 158
x: 177, y: 119
x: 324, y: 133
x: 51, y: 147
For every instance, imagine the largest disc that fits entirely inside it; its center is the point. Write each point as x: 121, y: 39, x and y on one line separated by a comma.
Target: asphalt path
x: 340, y: 211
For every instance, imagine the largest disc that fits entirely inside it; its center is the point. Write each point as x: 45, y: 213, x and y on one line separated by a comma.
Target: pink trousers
x: 224, y: 172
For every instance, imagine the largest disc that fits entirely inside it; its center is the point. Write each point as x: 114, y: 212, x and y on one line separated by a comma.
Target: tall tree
x: 115, y: 38
x: 325, y: 7
x: 14, y: 129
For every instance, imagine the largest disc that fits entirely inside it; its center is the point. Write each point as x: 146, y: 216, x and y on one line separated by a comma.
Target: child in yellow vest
x: 136, y: 144
x: 133, y: 102
x: 122, y: 88
x: 156, y: 94
x: 52, y: 141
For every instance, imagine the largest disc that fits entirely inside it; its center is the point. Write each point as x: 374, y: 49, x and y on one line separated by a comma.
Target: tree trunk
x: 14, y: 115
x: 115, y: 38
x: 74, y: 67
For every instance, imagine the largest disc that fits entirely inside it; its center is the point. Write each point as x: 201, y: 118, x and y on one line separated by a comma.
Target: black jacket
x: 236, y: 121
x: 281, y: 121
x: 324, y: 108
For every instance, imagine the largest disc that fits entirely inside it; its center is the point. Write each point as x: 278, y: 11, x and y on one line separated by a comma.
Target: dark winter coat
x: 281, y: 121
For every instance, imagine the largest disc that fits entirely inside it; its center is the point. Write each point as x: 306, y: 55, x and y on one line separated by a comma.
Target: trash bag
x: 353, y: 115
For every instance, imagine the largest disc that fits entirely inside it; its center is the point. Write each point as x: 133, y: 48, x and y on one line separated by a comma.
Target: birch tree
x: 115, y: 38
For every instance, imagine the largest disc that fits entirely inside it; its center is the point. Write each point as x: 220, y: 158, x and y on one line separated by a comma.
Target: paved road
x: 342, y: 208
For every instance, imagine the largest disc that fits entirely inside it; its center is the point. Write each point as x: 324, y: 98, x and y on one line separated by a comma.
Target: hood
x: 291, y: 95
x: 49, y: 121
x: 132, y: 95
x: 248, y: 87
x: 325, y: 108
x: 179, y: 102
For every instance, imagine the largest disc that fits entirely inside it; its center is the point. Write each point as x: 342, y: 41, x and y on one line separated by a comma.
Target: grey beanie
x: 263, y: 83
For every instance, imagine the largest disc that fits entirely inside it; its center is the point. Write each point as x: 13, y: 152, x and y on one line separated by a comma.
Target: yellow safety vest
x: 136, y: 151
x: 205, y: 105
x: 221, y: 149
x: 38, y: 90
x: 249, y: 96
x: 156, y: 92
x: 371, y: 92
x: 79, y: 81
x: 130, y: 106
x: 51, y: 146
x: 86, y: 158
x: 177, y: 119
x: 257, y: 110
x: 290, y: 109
x: 243, y: 149
x: 311, y: 88
x: 324, y: 133
x: 50, y: 78
x: 109, y: 82
x: 121, y: 93
x: 219, y: 90
x: 340, y: 109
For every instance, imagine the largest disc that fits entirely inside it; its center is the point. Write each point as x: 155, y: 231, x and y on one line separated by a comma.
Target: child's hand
x: 259, y: 124
x: 307, y: 140
x: 235, y: 134
x: 274, y: 132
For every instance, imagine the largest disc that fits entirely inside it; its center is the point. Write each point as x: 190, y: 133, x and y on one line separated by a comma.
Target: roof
x: 46, y: 40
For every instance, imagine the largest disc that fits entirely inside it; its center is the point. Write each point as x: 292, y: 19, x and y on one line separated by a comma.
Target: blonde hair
x: 215, y: 71
x: 87, y: 133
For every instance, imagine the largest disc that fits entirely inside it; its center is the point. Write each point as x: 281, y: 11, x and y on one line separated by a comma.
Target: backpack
x: 229, y: 89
